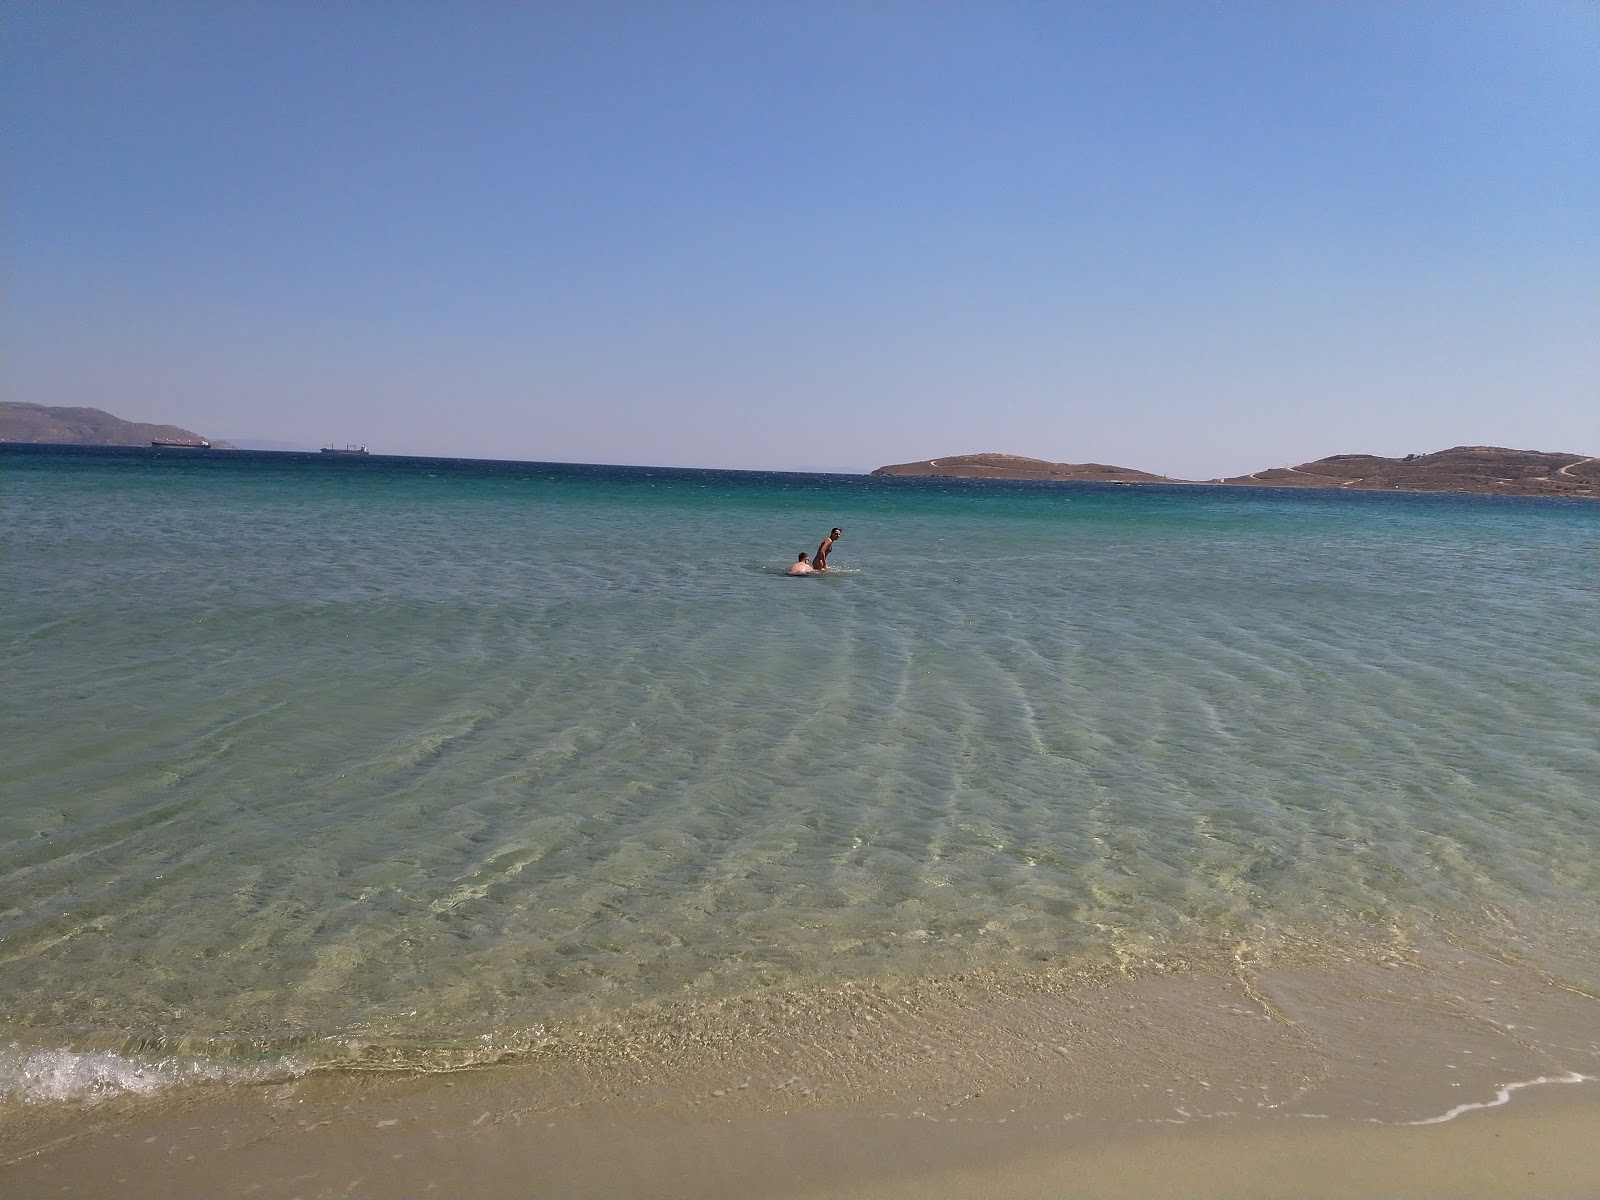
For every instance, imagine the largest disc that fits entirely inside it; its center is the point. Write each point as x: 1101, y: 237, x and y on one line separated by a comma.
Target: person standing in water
x: 820, y: 561
x: 801, y: 566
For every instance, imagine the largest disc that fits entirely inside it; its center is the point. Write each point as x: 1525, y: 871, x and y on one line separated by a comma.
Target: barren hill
x: 85, y: 427
x: 1490, y: 469
x: 1493, y: 470
x: 1014, y: 466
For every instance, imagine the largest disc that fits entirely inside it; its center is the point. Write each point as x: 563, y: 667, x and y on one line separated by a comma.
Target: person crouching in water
x: 820, y: 562
x: 801, y: 566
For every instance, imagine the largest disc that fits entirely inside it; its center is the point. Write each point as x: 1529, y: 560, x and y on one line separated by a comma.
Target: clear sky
x: 1194, y: 238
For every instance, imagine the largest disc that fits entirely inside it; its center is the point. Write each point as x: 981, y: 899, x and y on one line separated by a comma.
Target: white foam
x: 61, y: 1076
x: 1503, y: 1096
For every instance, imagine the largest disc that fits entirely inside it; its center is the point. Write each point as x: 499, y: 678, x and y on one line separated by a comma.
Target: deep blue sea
x: 407, y: 761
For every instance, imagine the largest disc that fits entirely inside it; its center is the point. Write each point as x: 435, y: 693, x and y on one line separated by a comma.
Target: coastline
x: 1397, y: 1077
x: 1545, y: 1143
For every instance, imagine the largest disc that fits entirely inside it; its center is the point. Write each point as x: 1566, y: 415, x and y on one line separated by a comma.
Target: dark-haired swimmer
x: 801, y: 566
x: 820, y: 562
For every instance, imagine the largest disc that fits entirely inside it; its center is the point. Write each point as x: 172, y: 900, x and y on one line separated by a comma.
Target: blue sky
x: 1195, y: 238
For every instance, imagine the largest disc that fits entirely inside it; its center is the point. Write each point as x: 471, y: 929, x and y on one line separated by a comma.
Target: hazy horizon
x: 241, y: 442
x: 1194, y: 239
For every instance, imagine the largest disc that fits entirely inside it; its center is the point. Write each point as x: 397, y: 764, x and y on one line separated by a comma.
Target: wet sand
x: 1545, y: 1143
x: 1400, y: 1077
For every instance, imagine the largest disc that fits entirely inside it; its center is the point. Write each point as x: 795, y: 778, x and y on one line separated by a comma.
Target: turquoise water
x: 409, y: 761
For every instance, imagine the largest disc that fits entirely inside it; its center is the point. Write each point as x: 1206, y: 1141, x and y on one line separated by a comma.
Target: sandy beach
x: 1401, y: 1078
x: 1545, y: 1143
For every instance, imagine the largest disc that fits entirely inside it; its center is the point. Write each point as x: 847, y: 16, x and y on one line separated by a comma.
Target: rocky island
x: 1014, y: 466
x: 1492, y: 470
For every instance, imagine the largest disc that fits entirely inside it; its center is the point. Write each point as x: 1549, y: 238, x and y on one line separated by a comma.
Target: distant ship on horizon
x: 350, y: 449
x: 169, y: 444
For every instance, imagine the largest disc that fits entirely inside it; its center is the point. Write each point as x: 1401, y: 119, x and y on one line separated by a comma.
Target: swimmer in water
x: 801, y: 566
x: 820, y: 562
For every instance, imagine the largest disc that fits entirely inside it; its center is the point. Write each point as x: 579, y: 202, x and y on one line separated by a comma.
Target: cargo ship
x: 344, y: 449
x: 166, y: 444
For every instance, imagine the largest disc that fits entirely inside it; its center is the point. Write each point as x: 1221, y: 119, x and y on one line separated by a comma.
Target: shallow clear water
x: 405, y: 759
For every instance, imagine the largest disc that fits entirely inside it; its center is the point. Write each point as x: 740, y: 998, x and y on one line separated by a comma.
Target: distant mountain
x: 86, y: 427
x: 1014, y: 466
x: 1490, y: 469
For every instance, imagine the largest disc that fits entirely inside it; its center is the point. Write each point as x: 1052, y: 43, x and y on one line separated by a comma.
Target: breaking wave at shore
x: 89, y: 1077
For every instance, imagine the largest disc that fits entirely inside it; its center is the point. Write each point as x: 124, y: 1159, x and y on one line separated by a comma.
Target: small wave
x: 783, y: 570
x: 61, y: 1076
x: 1503, y: 1096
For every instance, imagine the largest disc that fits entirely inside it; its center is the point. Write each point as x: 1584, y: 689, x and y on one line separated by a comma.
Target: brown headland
x: 1491, y: 469
x: 88, y: 427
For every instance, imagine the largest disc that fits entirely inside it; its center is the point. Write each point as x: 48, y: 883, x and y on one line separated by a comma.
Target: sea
x: 312, y: 763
